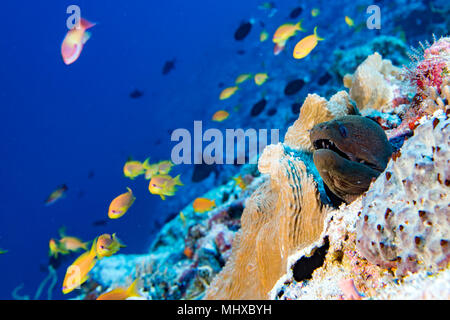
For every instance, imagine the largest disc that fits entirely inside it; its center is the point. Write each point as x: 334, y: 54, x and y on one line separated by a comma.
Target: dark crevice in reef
x: 304, y: 268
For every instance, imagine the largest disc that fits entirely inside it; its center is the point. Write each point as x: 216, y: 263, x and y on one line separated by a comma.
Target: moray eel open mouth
x: 330, y: 145
x: 349, y: 152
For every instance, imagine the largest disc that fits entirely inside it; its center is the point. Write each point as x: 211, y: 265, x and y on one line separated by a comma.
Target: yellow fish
x: 286, y: 31
x: 151, y: 171
x: 306, y: 45
x: 72, y: 244
x: 263, y: 36
x: 183, y: 218
x: 315, y: 12
x: 134, y: 168
x: 55, y: 249
x: 56, y: 195
x: 349, y: 21
x: 3, y: 251
x: 77, y: 272
x: 220, y: 116
x: 203, y: 204
x: 122, y: 293
x: 228, y: 92
x: 242, y: 78
x: 107, y: 245
x: 260, y: 78
x: 164, y: 185
x: 162, y: 167
x: 240, y: 182
x: 121, y: 204
x: 165, y: 166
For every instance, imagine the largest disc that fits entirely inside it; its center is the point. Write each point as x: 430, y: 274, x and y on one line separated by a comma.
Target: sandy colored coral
x: 370, y: 84
x: 314, y: 110
x: 405, y: 216
x: 281, y: 217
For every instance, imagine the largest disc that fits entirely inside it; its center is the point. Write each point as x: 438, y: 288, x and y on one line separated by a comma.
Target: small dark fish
x: 271, y: 112
x: 99, y: 223
x: 202, y: 171
x: 243, y: 31
x: 293, y: 87
x: 295, y: 108
x: 324, y: 79
x: 240, y: 52
x: 221, y: 85
x: 295, y: 12
x: 168, y: 66
x: 258, y: 107
x: 136, y: 94
x: 91, y: 174
x: 158, y: 141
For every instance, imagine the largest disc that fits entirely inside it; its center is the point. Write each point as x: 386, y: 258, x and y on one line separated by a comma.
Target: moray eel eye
x: 343, y: 131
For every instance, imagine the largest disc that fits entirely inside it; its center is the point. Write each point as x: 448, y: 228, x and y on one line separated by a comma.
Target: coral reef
x: 395, y: 234
x: 277, y: 238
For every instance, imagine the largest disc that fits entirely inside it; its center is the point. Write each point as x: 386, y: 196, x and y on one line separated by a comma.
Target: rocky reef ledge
x: 287, y: 237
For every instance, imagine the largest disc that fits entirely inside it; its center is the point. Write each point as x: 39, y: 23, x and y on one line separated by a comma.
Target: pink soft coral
x: 429, y: 65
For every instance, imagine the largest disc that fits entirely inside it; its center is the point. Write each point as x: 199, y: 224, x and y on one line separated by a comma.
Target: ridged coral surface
x: 405, y: 218
x: 284, y: 215
x: 370, y: 84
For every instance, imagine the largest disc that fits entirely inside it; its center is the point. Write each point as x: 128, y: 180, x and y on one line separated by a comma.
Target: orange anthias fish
x: 263, y: 36
x: 56, y: 195
x: 349, y: 21
x: 55, y: 249
x: 122, y: 293
x: 121, y: 204
x: 286, y: 31
x: 260, y: 78
x: 134, y: 168
x: 278, y: 47
x: 164, y: 185
x: 162, y: 167
x: 228, y: 92
x: 220, y: 116
x: 242, y: 78
x: 165, y: 166
x: 74, y: 41
x: 107, y: 245
x: 77, y: 273
x: 240, y: 182
x: 72, y: 244
x: 203, y: 204
x: 306, y: 45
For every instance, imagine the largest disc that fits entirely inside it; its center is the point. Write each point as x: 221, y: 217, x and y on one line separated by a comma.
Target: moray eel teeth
x: 349, y: 152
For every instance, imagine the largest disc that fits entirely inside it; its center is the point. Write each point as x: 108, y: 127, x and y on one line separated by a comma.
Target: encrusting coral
x: 370, y: 85
x: 404, y: 220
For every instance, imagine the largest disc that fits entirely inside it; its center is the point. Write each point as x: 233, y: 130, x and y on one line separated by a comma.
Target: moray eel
x: 349, y: 152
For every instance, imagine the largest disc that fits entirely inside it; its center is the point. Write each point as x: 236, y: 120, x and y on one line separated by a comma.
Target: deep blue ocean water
x: 78, y: 125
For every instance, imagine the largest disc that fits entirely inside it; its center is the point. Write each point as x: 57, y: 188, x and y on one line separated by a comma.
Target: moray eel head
x: 349, y: 152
